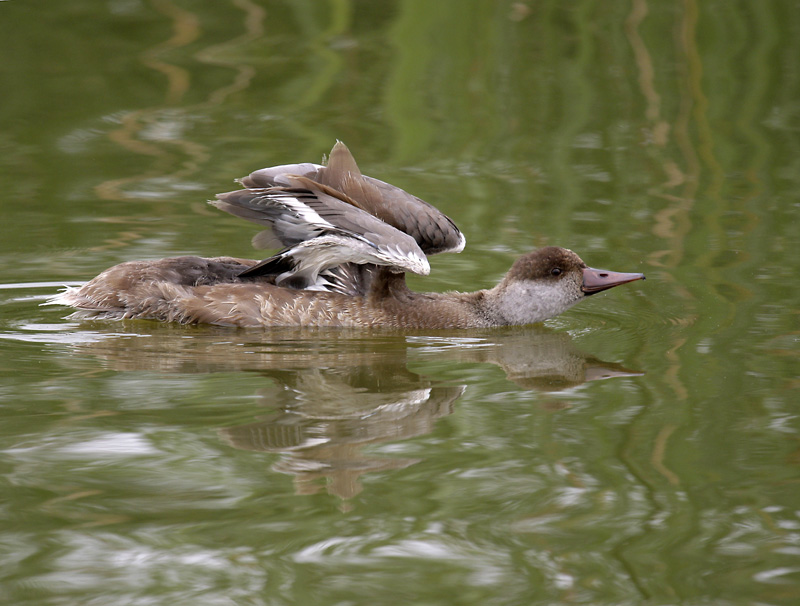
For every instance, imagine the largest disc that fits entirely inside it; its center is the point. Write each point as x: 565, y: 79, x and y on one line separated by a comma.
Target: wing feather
x: 329, y: 217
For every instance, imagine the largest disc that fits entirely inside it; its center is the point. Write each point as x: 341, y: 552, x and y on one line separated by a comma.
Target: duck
x: 346, y: 242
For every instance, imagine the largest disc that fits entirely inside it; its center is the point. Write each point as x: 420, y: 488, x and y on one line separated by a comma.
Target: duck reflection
x: 322, y: 419
x: 332, y: 394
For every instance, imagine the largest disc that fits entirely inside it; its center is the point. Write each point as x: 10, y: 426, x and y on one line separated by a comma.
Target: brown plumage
x: 348, y: 241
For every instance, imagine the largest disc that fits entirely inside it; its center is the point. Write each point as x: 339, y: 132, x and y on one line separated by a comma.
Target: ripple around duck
x: 32, y: 285
x: 25, y: 319
x: 615, y: 330
x: 621, y: 317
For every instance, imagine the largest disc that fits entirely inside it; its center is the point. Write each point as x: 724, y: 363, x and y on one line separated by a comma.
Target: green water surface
x: 643, y: 448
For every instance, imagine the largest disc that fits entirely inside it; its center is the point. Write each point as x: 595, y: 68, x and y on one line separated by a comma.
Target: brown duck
x: 347, y: 241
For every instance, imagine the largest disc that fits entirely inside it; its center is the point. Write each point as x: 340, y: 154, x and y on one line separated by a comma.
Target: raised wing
x: 328, y: 218
x: 275, y: 176
x: 320, y: 228
x: 433, y: 231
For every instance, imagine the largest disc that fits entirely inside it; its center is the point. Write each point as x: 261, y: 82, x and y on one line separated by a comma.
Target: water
x: 642, y: 448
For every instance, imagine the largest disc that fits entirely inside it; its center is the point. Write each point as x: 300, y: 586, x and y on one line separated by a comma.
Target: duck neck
x: 520, y: 302
x: 389, y: 285
x: 390, y: 292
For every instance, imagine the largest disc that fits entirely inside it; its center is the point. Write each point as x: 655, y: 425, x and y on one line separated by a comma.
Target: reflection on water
x: 332, y: 393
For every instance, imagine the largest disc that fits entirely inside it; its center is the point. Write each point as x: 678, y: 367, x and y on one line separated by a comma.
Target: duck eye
x: 556, y: 271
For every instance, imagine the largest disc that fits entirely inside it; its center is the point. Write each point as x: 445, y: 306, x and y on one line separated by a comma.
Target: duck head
x: 547, y: 282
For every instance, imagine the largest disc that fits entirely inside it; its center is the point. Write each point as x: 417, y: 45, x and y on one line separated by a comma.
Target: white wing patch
x: 304, y: 212
x: 462, y: 242
x: 323, y: 252
x: 321, y: 244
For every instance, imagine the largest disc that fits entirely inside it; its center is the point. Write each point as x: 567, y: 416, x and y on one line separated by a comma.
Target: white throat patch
x: 525, y: 302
